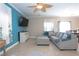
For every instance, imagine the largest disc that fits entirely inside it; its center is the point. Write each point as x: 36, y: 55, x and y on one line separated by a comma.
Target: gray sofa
x: 64, y: 41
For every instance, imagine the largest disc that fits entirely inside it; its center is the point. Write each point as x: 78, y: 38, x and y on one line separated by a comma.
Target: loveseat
x: 64, y: 41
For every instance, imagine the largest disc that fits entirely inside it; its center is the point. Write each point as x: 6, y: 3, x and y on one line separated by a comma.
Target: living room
x: 60, y: 17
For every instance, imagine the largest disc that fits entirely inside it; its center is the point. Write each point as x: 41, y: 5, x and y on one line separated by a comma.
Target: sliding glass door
x: 5, y: 23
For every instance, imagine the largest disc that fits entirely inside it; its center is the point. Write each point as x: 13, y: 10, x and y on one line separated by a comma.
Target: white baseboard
x: 9, y: 47
x: 12, y: 46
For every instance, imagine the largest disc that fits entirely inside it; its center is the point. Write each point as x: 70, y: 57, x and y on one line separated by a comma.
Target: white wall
x: 36, y: 24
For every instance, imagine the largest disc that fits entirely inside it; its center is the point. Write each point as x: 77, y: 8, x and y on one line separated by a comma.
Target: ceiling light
x: 39, y: 6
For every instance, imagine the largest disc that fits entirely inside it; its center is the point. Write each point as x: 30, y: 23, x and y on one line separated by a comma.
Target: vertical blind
x: 48, y: 26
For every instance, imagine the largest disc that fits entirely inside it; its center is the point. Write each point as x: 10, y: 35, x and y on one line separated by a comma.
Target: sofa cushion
x: 58, y: 34
x: 52, y: 33
x: 55, y: 38
x: 66, y: 37
x: 56, y: 41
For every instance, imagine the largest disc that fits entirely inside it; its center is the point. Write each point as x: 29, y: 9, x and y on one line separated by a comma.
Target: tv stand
x: 23, y: 36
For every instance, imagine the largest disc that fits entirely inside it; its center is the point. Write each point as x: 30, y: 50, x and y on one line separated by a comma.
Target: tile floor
x: 29, y: 48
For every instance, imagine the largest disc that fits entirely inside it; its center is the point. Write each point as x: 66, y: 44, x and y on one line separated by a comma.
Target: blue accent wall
x: 15, y: 28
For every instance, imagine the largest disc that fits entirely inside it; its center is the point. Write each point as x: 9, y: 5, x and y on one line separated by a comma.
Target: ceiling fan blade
x: 44, y: 7
x: 31, y: 6
x: 39, y: 3
x: 49, y: 6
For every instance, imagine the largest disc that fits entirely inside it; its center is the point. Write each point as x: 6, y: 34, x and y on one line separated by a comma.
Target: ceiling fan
x: 41, y: 6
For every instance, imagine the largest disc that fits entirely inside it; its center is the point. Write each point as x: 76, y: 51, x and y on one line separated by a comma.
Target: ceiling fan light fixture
x: 39, y: 6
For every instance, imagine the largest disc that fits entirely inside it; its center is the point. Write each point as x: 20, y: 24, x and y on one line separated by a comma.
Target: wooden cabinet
x: 2, y: 45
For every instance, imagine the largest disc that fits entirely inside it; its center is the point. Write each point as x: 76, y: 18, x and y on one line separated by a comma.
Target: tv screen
x: 23, y: 21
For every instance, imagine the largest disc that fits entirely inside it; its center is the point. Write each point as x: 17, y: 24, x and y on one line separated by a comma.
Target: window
x: 48, y: 26
x: 64, y: 26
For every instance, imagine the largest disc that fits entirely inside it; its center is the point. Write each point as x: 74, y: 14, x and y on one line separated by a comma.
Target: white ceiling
x: 58, y: 9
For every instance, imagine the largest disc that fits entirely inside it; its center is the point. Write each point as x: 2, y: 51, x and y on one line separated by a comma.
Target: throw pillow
x: 64, y: 37
x: 45, y: 33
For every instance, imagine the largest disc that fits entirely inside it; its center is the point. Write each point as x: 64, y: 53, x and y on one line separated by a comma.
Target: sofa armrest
x: 69, y: 44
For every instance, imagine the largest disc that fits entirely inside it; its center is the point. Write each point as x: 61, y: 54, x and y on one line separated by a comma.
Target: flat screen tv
x: 23, y: 22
